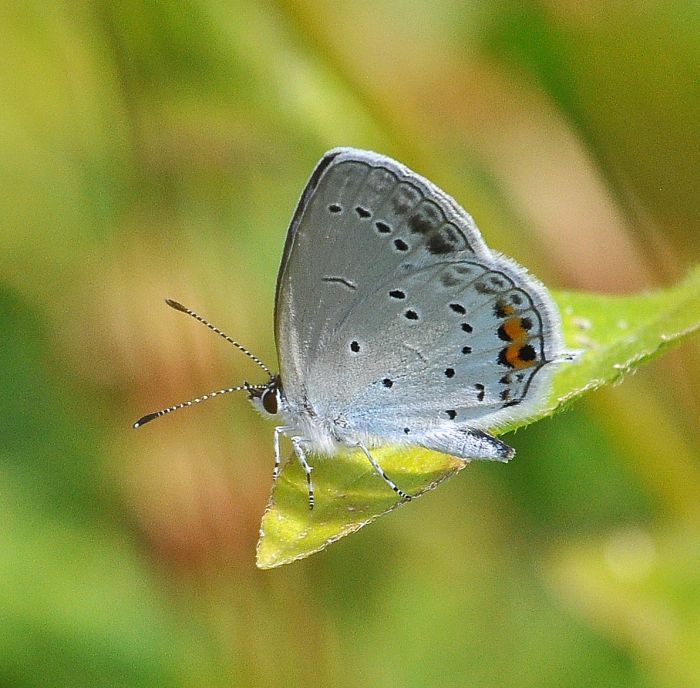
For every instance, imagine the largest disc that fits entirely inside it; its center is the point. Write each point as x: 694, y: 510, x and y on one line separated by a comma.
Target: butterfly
x: 395, y: 323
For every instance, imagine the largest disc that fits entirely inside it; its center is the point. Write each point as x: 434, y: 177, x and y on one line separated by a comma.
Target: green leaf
x: 612, y: 335
x: 608, y: 336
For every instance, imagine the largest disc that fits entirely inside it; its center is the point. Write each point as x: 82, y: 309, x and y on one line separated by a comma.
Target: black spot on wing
x: 340, y: 280
x: 527, y: 353
x: 437, y: 244
x: 420, y: 224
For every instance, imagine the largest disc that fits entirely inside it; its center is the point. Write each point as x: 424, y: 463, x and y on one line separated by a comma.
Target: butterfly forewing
x: 361, y: 217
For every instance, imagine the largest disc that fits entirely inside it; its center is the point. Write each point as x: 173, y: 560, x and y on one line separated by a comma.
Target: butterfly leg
x: 297, y: 442
x: 278, y: 459
x: 380, y: 471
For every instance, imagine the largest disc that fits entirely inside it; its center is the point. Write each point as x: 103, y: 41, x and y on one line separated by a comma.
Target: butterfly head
x: 267, y: 399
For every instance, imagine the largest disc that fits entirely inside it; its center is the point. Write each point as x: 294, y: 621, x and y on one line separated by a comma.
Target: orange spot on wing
x: 513, y: 327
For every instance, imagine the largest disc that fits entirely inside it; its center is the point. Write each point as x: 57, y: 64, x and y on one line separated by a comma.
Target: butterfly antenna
x: 183, y: 309
x: 193, y: 402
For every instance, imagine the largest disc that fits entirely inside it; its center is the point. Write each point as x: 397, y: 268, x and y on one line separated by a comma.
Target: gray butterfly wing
x: 330, y: 260
x: 393, y: 318
x: 463, y: 345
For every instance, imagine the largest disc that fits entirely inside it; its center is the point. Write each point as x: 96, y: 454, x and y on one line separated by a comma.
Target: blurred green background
x: 157, y: 149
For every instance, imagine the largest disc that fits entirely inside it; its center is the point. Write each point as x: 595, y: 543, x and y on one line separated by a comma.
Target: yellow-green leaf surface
x: 607, y: 337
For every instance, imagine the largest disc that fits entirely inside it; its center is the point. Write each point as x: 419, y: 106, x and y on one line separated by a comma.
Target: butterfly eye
x: 269, y: 402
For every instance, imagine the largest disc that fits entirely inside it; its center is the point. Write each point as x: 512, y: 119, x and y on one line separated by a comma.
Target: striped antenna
x: 183, y: 309
x: 192, y: 402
